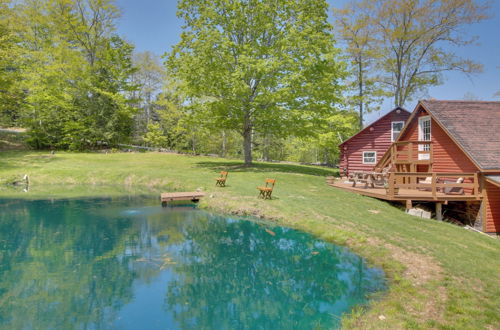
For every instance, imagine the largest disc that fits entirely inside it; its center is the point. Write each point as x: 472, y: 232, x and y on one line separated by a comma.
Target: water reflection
x: 128, y: 263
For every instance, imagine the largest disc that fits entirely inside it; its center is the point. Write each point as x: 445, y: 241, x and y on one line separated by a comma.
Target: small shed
x: 362, y: 151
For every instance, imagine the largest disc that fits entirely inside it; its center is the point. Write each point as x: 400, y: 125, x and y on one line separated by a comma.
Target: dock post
x: 439, y: 211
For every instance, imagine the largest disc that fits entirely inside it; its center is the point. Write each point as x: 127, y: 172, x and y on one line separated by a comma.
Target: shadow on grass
x: 238, y: 166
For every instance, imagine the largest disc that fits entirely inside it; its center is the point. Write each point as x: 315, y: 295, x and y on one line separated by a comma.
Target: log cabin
x: 364, y: 149
x: 447, y: 153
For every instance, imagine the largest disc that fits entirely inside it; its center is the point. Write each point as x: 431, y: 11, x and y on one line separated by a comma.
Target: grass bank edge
x: 240, y: 198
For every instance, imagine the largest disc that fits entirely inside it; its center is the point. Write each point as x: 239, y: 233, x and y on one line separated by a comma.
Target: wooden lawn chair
x: 221, y: 181
x: 266, y: 191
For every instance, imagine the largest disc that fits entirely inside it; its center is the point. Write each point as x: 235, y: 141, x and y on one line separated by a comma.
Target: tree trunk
x: 247, y: 146
x: 361, y: 94
x: 397, y: 94
x: 224, y: 142
x: 247, y: 139
x: 265, y: 149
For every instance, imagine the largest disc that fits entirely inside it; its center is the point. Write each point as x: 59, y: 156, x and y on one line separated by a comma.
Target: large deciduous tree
x: 352, y: 24
x: 415, y: 40
x: 254, y: 66
x: 76, y: 73
x: 149, y: 77
x: 10, y: 63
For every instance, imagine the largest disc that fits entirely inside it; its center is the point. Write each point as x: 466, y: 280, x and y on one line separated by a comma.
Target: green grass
x: 441, y: 275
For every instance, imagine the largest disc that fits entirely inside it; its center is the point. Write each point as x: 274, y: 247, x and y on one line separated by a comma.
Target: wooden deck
x: 181, y: 196
x: 402, y: 195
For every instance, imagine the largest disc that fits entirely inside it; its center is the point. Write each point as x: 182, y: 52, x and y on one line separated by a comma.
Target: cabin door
x: 424, y: 134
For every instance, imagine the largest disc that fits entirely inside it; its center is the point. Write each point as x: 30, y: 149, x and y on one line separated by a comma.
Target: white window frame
x: 392, y: 129
x: 424, y: 147
x: 374, y: 157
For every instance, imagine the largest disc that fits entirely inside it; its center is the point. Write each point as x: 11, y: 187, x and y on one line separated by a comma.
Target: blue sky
x: 153, y: 25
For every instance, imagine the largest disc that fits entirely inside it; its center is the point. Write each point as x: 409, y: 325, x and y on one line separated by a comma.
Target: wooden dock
x: 181, y: 196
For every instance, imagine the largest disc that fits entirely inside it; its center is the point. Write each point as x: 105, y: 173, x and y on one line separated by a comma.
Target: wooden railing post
x: 434, y: 188
x: 391, y: 184
x: 475, y: 190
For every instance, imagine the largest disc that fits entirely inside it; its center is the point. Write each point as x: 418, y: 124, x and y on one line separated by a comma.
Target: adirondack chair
x: 266, y: 191
x: 454, y: 190
x: 221, y: 181
x: 426, y: 180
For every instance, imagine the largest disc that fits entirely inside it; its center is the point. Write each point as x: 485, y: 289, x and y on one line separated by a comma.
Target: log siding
x: 377, y: 137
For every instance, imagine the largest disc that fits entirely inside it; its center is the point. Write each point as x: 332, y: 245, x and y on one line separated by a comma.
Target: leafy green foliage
x: 258, y: 67
x: 149, y: 78
x: 154, y: 137
x: 10, y: 61
x: 364, y: 90
x: 408, y: 37
x: 75, y: 72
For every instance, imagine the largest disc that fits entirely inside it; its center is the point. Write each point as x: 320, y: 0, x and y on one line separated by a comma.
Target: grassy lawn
x: 441, y: 275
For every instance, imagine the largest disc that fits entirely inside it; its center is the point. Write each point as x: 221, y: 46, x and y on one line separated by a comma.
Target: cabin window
x: 424, y: 134
x: 369, y: 157
x: 396, y: 128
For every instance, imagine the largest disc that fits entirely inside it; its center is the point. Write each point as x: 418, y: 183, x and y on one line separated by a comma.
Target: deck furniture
x: 381, y: 179
x: 454, y: 190
x: 363, y: 177
x: 426, y: 180
x: 405, y: 187
x: 356, y: 177
x: 221, y: 181
x: 266, y: 191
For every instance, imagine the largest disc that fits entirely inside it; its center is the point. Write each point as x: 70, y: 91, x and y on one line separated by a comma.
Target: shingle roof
x: 495, y: 178
x: 475, y: 125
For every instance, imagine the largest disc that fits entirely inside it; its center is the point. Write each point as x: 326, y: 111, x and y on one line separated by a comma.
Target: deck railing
x: 459, y: 184
x: 412, y: 152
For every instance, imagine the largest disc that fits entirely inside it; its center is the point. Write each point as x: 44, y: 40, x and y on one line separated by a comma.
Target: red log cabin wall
x: 376, y: 137
x: 447, y: 156
x: 492, y: 208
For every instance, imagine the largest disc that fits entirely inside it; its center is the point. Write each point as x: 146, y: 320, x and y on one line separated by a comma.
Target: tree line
x: 249, y: 79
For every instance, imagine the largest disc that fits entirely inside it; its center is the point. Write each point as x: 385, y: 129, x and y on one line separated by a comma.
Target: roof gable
x: 374, y: 123
x: 473, y: 125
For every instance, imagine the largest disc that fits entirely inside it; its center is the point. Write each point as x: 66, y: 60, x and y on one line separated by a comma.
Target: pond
x: 128, y: 263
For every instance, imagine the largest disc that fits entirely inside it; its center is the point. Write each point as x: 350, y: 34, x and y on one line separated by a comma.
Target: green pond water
x: 128, y: 263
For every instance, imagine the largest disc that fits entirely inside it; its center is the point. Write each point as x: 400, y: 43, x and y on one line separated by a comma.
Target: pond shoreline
x: 218, y: 207
x: 213, y: 206
x: 430, y: 264
x: 272, y: 258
